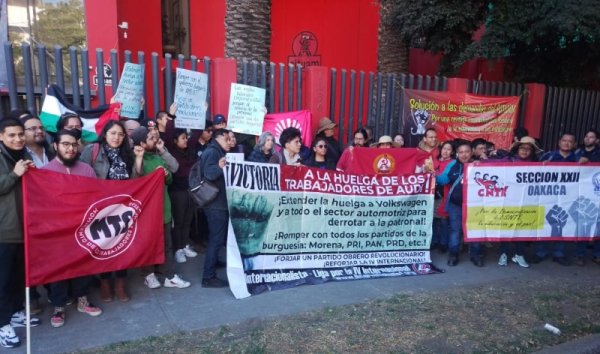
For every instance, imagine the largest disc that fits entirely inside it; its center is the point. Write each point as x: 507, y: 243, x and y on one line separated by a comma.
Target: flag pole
x: 28, y: 319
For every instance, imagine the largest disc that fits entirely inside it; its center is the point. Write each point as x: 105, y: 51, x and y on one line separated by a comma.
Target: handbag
x: 204, y: 193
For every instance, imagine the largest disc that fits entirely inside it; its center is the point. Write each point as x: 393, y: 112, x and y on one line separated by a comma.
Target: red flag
x: 369, y: 161
x: 275, y: 123
x: 81, y: 226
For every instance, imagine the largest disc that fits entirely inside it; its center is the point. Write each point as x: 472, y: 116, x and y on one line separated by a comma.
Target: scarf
x: 118, y: 168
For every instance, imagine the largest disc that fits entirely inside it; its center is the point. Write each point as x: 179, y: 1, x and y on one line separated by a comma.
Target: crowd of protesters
x: 130, y: 148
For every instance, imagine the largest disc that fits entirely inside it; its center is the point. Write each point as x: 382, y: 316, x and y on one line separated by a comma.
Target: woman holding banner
x: 525, y: 150
x: 112, y: 158
x: 440, y: 216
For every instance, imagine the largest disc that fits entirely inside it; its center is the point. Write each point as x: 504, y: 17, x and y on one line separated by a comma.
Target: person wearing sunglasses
x: 318, y: 157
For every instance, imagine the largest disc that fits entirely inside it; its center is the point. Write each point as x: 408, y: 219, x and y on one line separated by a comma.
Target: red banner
x: 459, y: 115
x: 369, y: 161
x: 275, y: 123
x: 81, y: 226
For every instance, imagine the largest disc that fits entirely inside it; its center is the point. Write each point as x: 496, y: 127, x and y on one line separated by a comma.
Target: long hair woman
x: 112, y: 158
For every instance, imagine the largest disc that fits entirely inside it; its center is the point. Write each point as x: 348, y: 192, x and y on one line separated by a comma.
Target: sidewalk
x: 161, y: 311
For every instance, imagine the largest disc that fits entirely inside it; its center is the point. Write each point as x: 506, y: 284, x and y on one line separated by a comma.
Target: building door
x: 176, y: 27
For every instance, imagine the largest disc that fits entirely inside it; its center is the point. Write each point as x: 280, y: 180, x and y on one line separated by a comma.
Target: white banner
x: 532, y: 202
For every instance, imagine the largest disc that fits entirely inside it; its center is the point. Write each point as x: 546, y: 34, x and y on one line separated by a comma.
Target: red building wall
x: 346, y: 31
x: 207, y: 28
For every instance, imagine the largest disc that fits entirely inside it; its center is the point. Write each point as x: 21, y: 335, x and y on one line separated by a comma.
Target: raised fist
x: 557, y: 218
x: 250, y: 214
x: 585, y: 214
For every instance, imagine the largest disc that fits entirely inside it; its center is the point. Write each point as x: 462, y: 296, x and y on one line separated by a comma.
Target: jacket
x: 101, y: 165
x: 209, y: 163
x: 11, y: 200
x: 151, y: 162
x: 451, y: 174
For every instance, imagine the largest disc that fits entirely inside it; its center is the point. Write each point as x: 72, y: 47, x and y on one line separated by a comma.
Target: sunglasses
x: 321, y: 146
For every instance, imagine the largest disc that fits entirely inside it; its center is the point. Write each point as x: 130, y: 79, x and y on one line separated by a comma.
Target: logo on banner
x: 109, y: 226
x: 305, y: 46
x: 284, y: 124
x: 384, y: 164
x: 420, y: 119
x: 107, y: 70
x: 596, y: 182
x: 491, y: 187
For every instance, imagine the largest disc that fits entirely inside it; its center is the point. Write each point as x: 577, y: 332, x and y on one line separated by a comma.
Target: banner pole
x: 28, y: 319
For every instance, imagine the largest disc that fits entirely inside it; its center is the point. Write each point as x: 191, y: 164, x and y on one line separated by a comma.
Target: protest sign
x: 531, y: 202
x: 246, y: 109
x: 103, y: 225
x: 275, y: 123
x: 130, y: 90
x: 297, y: 225
x: 459, y: 115
x: 190, y: 98
x: 362, y: 160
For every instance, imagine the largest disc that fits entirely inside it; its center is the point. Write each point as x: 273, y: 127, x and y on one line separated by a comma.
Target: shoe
x: 35, y: 308
x: 180, y: 256
x: 503, y: 261
x: 19, y: 319
x: 580, y: 261
x: 537, y: 259
x: 120, y: 291
x: 189, y: 252
x: 443, y: 249
x: 58, y: 318
x: 452, y: 260
x: 105, y: 290
x: 563, y: 261
x: 8, y: 337
x: 520, y: 260
x: 214, y: 282
x: 478, y: 262
x: 596, y: 260
x: 176, y: 282
x: 83, y: 305
x: 151, y: 281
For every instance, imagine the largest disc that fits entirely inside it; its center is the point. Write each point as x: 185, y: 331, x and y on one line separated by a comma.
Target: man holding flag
x: 67, y: 161
x: 14, y: 163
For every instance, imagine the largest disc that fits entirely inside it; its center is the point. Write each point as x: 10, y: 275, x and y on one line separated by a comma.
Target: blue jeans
x: 519, y: 248
x: 218, y: 222
x: 580, y: 248
x: 558, y: 249
x: 440, y: 231
x: 455, y: 222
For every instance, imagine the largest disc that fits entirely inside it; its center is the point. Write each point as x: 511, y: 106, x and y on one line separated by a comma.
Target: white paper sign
x: 190, y: 97
x: 234, y: 157
x: 130, y: 90
x: 246, y: 109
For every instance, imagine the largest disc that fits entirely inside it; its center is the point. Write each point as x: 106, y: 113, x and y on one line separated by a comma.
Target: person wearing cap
x: 154, y: 151
x: 326, y: 131
x: 385, y: 142
x: 524, y: 150
x: 219, y: 122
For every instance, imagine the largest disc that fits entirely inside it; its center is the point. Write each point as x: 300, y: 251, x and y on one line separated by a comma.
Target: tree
x: 555, y: 42
x: 62, y: 24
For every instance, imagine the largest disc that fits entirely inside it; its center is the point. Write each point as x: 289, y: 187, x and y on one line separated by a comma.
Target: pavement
x: 166, y: 310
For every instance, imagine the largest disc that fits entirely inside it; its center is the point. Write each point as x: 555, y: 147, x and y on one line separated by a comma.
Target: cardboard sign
x: 190, y: 96
x: 130, y: 90
x: 246, y: 109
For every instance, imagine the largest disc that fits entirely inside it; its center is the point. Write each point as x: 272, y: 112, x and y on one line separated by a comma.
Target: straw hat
x: 526, y: 140
x: 385, y: 139
x: 324, y: 124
